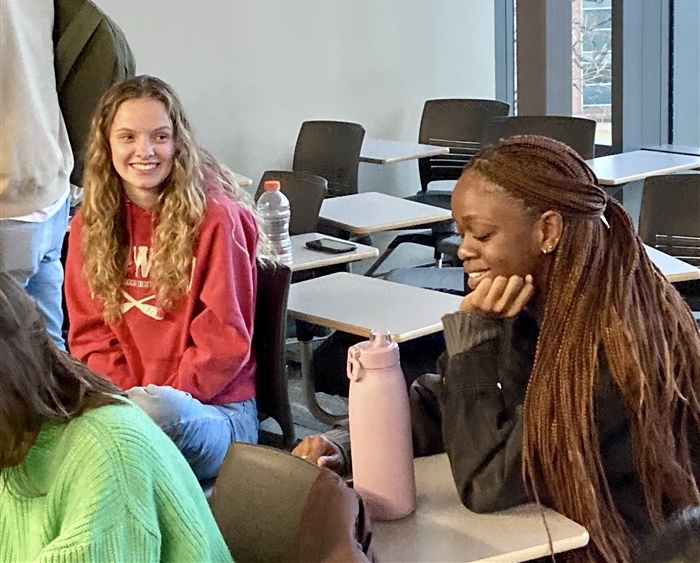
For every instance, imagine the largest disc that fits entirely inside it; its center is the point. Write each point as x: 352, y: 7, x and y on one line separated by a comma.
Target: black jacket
x: 482, y: 417
x: 473, y: 411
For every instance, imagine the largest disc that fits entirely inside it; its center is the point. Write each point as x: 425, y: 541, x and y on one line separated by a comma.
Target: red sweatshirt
x: 203, y: 345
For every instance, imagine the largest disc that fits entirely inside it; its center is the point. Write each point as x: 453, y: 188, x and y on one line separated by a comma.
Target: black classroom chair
x: 669, y: 220
x: 577, y: 132
x: 269, y: 337
x: 330, y: 149
x: 457, y: 124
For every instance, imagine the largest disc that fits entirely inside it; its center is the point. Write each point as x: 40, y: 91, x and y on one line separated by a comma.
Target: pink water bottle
x: 380, y: 429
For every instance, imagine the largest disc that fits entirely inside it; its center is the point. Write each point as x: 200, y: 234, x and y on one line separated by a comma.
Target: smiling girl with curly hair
x: 161, y: 273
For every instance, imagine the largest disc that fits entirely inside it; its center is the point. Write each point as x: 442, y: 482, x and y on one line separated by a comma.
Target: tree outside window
x: 592, y: 64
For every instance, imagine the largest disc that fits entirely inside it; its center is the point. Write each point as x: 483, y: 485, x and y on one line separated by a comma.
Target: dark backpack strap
x: 74, y: 39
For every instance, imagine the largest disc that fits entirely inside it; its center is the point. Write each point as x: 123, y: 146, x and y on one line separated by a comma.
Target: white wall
x: 250, y: 71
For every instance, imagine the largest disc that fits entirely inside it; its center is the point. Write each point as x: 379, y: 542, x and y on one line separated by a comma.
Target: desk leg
x: 379, y: 261
x: 306, y: 352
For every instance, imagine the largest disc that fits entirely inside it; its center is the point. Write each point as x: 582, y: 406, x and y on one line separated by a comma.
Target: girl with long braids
x: 572, y: 369
x: 85, y: 475
x: 161, y: 273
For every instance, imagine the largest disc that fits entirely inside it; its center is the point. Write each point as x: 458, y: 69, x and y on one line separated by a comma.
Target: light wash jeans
x: 31, y: 254
x: 201, y: 432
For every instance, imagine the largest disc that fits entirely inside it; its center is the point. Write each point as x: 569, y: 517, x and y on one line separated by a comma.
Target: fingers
x: 311, y: 448
x: 511, y: 289
x: 473, y: 301
x: 320, y: 451
x: 523, y: 296
x: 498, y: 293
x: 333, y: 462
x: 499, y: 296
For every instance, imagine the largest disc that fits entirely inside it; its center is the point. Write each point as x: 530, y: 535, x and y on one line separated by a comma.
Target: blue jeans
x: 201, y: 432
x: 31, y: 254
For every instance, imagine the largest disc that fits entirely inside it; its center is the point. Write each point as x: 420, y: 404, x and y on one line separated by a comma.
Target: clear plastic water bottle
x: 273, y: 207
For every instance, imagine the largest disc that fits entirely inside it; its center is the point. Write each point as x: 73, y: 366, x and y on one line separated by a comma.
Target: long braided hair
x: 605, y: 302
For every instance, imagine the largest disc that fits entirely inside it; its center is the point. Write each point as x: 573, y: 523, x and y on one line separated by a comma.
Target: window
x: 591, y: 94
x: 633, y: 67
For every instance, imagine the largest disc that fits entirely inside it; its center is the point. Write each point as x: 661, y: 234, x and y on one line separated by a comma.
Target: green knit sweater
x: 109, y: 487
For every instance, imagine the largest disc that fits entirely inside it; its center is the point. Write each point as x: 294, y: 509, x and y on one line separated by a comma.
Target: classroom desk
x: 304, y: 258
x: 676, y: 149
x: 373, y: 212
x: 358, y: 305
x: 442, y: 530
x: 625, y: 167
x: 380, y: 151
x: 673, y: 269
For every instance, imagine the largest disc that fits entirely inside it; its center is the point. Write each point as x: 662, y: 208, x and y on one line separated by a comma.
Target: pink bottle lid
x: 379, y: 352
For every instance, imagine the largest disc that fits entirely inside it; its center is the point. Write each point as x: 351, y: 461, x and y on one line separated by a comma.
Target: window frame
x: 641, y: 84
x: 641, y: 70
x: 504, y: 34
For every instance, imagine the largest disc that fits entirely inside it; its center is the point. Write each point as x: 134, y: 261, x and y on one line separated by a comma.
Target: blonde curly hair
x: 179, y: 209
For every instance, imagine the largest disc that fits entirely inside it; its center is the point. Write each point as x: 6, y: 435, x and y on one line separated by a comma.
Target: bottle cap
x: 380, y: 338
x: 271, y: 185
x: 379, y: 352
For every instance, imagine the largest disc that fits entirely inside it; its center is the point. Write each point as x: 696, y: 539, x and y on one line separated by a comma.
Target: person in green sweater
x: 85, y: 475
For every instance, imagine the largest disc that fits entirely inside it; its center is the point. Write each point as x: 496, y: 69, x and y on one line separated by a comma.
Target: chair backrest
x: 269, y: 336
x: 305, y: 193
x: 669, y: 217
x: 258, y: 499
x: 457, y: 124
x: 330, y: 149
x: 577, y: 132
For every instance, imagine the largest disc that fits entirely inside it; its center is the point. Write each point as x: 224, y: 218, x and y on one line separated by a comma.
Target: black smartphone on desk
x: 331, y: 246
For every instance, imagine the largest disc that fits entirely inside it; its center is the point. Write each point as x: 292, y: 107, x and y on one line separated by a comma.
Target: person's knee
x: 162, y: 404
x: 244, y: 420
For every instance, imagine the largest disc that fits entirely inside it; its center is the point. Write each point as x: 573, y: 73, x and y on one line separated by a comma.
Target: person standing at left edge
x: 35, y: 158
